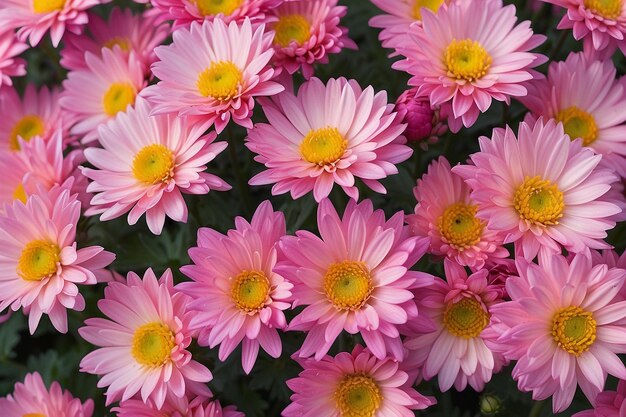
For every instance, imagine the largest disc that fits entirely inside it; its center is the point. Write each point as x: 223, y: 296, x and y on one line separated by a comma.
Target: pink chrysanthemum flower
x: 608, y: 403
x: 462, y: 64
x: 219, y: 81
x: 307, y: 31
x: 541, y: 190
x: 199, y: 406
x: 97, y: 93
x: 353, y: 384
x: 328, y: 134
x: 458, y: 351
x: 144, y: 342
x: 446, y: 215
x: 40, y: 265
x: 147, y: 163
x: 36, y: 17
x: 423, y: 123
x: 238, y: 298
x: 354, y: 278
x: 561, y: 327
x: 32, y: 399
x: 597, y: 116
x: 10, y: 64
x: 138, y: 33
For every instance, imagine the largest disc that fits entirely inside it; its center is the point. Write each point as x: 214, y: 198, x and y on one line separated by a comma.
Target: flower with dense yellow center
x: 292, y: 27
x: 123, y: 43
x: 153, y: 344
x: 323, y: 146
x: 608, y: 9
x: 221, y: 81
x: 432, y: 5
x: 118, y: 97
x: 460, y: 227
x: 574, y: 330
x: 47, y: 6
x: 466, y: 318
x: 348, y: 284
x: 539, y: 201
x: 20, y: 193
x: 153, y: 164
x: 213, y: 7
x: 250, y: 291
x: 357, y: 395
x: 39, y: 259
x: 26, y: 128
x: 466, y: 60
x: 578, y: 123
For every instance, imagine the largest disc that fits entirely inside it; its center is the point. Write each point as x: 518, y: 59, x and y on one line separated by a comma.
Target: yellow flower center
x: 466, y: 60
x: 348, y: 284
x: 432, y: 5
x: 574, y: 330
x: 608, y: 9
x: 123, y: 43
x: 39, y: 260
x: 292, y: 27
x: 33, y: 415
x: 250, y: 290
x: 221, y: 81
x: 323, y: 146
x: 153, y: 344
x: 459, y: 226
x: 26, y: 128
x: 47, y: 6
x: 213, y: 7
x: 466, y: 318
x: 118, y: 97
x: 20, y: 193
x: 578, y: 124
x: 357, y: 395
x: 153, y: 164
x: 539, y: 201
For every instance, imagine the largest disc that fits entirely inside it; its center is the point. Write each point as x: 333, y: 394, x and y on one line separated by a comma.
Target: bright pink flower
x: 199, y: 406
x: 423, y: 123
x: 238, y: 298
x: 562, y: 327
x: 144, y: 342
x: 446, y: 215
x: 147, y: 163
x: 218, y: 81
x: 353, y: 384
x: 468, y: 54
x: 541, y: 190
x: 31, y: 399
x: 328, y: 134
x: 10, y: 64
x: 40, y: 265
x: 608, y: 403
x: 355, y: 278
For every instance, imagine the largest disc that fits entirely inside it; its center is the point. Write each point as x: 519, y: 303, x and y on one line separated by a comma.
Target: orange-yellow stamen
x: 153, y: 344
x: 348, y: 285
x: 460, y: 227
x: 574, y: 330
x: 432, y: 5
x: 323, y: 146
x: 39, y: 259
x: 539, y: 202
x: 213, y: 7
x: 250, y: 291
x: 466, y: 60
x: 47, y: 6
x: 578, y: 123
x: 153, y: 164
x: 292, y: 28
x: 466, y: 318
x: 118, y: 97
x: 358, y: 395
x: 26, y: 128
x: 608, y: 9
x: 221, y: 81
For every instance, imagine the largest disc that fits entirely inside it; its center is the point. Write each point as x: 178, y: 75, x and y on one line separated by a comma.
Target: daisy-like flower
x: 35, y: 18
x: 144, y: 342
x: 608, y: 403
x: 139, y: 33
x: 147, y: 163
x: 458, y: 350
x: 97, y: 93
x: 31, y: 398
x: 238, y: 298
x: 354, y: 278
x: 561, y: 326
x: 10, y: 64
x: 468, y: 54
x: 328, y: 134
x: 597, y: 116
x: 353, y: 384
x: 198, y: 406
x: 541, y: 190
x: 307, y: 31
x: 218, y: 81
x: 424, y: 124
x: 446, y: 214
x: 40, y: 264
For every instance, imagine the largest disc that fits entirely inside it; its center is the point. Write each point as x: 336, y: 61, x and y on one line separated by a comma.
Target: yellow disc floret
x: 47, y: 6
x: 26, y: 128
x: 466, y: 318
x: 574, y: 330
x: 153, y: 344
x: 39, y: 259
x: 348, y: 284
x: 123, y: 43
x: 213, y: 7
x: 153, y: 164
x: 578, y: 123
x: 357, y: 395
x: 460, y: 227
x: 118, y: 97
x: 33, y: 415
x: 20, y: 193
x: 323, y: 146
x: 292, y: 27
x: 539, y: 202
x: 250, y: 291
x: 432, y: 5
x: 466, y: 60
x: 221, y: 81
x: 608, y: 9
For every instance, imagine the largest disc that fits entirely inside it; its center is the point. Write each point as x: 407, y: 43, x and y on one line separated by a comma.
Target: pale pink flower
x: 611, y: 259
x: 198, y: 406
x: 10, y: 64
x: 146, y: 165
x: 328, y: 134
x: 355, y: 278
x: 468, y: 54
x: 608, y: 403
x: 423, y: 123
x: 144, y: 342
x: 353, y: 384
x: 446, y: 215
x: 31, y: 398
x: 219, y: 81
x: 40, y: 264
x: 541, y: 190
x: 237, y: 296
